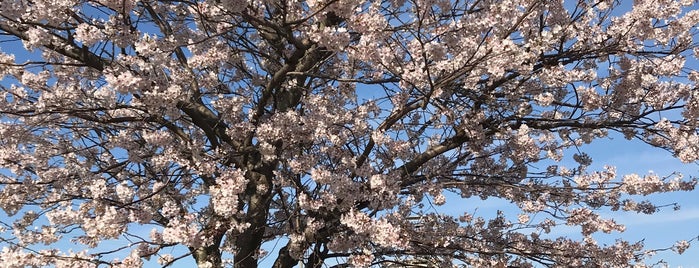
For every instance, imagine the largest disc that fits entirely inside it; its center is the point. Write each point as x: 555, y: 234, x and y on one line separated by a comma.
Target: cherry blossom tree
x: 331, y: 127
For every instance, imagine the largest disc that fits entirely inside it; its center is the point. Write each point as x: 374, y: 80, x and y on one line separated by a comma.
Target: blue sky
x: 660, y: 230
x: 667, y: 226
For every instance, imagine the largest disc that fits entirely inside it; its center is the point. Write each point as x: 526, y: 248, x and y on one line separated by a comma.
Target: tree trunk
x: 259, y: 191
x: 208, y: 257
x: 284, y: 260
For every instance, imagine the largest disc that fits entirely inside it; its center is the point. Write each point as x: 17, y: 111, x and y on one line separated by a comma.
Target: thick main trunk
x: 208, y: 257
x: 259, y: 192
x: 284, y: 259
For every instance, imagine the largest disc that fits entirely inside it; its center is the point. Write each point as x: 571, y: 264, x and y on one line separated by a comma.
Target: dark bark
x: 284, y: 259
x: 259, y: 197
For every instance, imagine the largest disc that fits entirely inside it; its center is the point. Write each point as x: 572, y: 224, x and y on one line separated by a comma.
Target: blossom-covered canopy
x: 149, y: 132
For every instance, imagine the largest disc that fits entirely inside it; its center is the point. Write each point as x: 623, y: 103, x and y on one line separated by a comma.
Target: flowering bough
x: 328, y: 125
